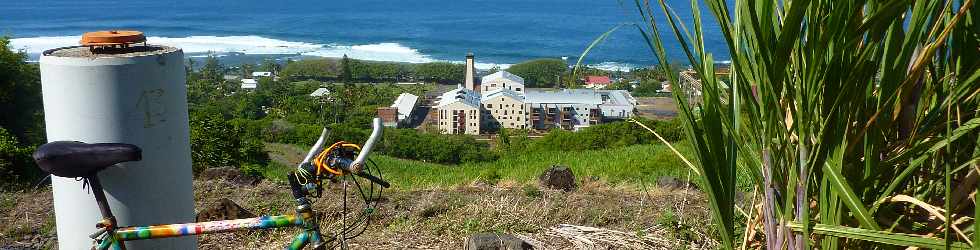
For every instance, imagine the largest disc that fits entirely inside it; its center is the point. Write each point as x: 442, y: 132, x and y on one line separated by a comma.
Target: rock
x: 224, y: 210
x: 492, y: 241
x: 672, y: 183
x: 230, y: 174
x: 558, y: 177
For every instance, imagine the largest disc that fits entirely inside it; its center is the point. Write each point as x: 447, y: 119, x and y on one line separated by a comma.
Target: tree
x: 250, y: 106
x: 20, y: 93
x: 213, y: 142
x: 216, y: 142
x: 270, y: 65
x: 311, y: 68
x: 539, y: 72
x: 247, y: 69
x: 440, y: 72
x: 212, y: 72
x: 346, y: 71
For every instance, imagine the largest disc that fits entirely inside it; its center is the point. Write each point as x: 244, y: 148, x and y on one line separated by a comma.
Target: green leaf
x: 883, y: 237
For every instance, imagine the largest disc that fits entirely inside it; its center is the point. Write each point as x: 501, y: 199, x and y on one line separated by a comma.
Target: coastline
x: 235, y: 50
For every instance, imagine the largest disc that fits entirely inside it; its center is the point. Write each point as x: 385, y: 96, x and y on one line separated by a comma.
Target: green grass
x: 624, y: 165
x: 631, y: 164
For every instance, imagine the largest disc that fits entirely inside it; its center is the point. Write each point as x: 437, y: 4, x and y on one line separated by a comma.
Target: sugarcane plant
x: 856, y: 120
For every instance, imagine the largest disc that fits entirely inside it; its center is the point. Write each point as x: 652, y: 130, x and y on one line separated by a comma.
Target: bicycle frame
x: 115, y: 237
x: 302, y: 239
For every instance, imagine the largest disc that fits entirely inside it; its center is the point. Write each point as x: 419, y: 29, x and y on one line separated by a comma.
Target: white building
x: 405, y: 104
x: 249, y: 84
x: 505, y: 108
x: 459, y: 112
x: 502, y: 80
x: 568, y: 109
x: 261, y: 74
x: 664, y: 87
x: 320, y: 92
x: 616, y: 104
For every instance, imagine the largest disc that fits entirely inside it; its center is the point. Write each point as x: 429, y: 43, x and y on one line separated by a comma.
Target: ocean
x: 498, y: 32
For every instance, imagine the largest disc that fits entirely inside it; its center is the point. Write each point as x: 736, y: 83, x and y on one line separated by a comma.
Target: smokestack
x: 470, y: 71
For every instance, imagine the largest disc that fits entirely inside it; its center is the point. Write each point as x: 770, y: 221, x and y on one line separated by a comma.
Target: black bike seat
x: 76, y: 159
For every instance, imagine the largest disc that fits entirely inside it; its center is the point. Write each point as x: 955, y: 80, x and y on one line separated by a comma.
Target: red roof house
x: 597, y: 82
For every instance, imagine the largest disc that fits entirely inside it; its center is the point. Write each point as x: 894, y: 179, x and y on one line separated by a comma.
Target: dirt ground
x: 430, y: 219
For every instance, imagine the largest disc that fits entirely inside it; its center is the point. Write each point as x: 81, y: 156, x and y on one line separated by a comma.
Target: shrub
x: 449, y: 149
x: 539, y: 72
x: 16, y: 165
x: 216, y: 142
x: 609, y: 135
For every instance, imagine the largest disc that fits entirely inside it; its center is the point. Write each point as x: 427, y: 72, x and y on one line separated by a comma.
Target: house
x: 597, y: 82
x: 389, y: 116
x: 400, y: 111
x: 505, y: 108
x: 249, y: 84
x: 502, y: 80
x: 320, y: 92
x: 261, y: 74
x: 616, y: 104
x: 459, y: 112
x: 664, y: 87
x: 569, y: 109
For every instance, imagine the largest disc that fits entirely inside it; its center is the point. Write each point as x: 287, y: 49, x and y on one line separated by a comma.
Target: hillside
x: 426, y: 218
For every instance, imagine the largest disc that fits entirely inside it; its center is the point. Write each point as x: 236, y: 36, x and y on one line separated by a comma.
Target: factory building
x: 459, y: 112
x: 569, y: 109
x: 501, y: 101
x: 502, y: 80
x: 505, y: 108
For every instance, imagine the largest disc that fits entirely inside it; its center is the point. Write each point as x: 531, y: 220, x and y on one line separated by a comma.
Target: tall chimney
x: 470, y: 71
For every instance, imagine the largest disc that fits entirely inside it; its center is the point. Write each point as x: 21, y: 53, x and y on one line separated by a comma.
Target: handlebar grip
x: 316, y: 147
x: 376, y: 131
x: 374, y: 179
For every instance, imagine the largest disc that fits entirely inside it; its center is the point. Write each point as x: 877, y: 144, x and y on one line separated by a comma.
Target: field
x: 656, y: 107
x: 437, y: 218
x: 435, y: 206
x: 638, y: 164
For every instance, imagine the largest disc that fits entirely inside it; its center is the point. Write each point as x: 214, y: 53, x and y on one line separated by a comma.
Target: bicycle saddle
x: 76, y: 159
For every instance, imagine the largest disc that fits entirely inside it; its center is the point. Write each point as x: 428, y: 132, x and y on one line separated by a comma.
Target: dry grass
x: 26, y: 220
x: 441, y: 218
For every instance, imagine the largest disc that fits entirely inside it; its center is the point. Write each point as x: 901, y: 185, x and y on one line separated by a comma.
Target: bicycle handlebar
x: 316, y: 148
x: 376, y: 131
x: 357, y: 165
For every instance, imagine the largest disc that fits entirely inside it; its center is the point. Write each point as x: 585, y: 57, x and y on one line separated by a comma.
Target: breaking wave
x: 198, y: 46
x: 614, y: 66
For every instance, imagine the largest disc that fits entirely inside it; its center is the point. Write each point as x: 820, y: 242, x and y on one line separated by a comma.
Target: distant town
x: 500, y: 100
